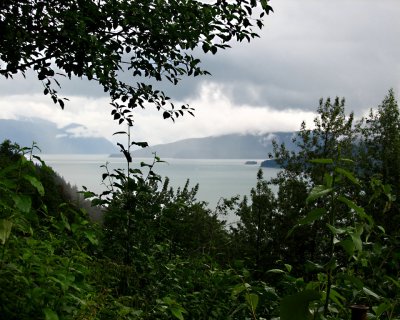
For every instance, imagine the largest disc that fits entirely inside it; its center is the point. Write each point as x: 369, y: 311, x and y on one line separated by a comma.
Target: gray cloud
x: 308, y: 49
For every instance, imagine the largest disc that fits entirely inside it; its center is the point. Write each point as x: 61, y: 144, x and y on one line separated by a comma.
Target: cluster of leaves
x: 100, y: 39
x: 342, y: 246
x: 44, y: 254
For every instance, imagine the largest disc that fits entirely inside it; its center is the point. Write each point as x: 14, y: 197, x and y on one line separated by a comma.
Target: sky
x: 308, y: 50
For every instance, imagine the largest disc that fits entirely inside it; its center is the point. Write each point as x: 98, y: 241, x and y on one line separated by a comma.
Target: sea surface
x: 216, y: 178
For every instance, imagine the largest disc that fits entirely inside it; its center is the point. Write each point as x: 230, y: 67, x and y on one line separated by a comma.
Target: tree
x: 331, y: 138
x: 255, y: 230
x: 379, y: 155
x: 100, y: 39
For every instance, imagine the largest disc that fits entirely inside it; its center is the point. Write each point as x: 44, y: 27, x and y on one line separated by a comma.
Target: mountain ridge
x: 229, y: 146
x: 53, y: 140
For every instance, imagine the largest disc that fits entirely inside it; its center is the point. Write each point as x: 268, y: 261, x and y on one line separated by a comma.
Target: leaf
x: 166, y: 115
x: 318, y: 192
x: 50, y: 314
x: 91, y: 236
x: 348, y: 246
x: 238, y: 289
x: 252, y: 300
x: 322, y: 161
x: 177, y: 312
x: 356, y: 237
x: 276, y: 271
x: 312, y: 216
x: 140, y: 144
x: 371, y: 293
x: 22, y: 202
x: 119, y: 132
x: 5, y: 230
x: 348, y: 175
x: 296, y: 306
x: 35, y: 183
x: 359, y: 210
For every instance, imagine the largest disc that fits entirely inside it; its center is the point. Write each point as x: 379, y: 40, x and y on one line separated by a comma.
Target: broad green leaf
x: 5, y: 230
x: 177, y: 312
x: 337, y: 298
x: 312, y: 216
x: 335, y: 230
x: 296, y: 306
x: 238, y: 289
x: 22, y: 202
x: 35, y: 183
x: 359, y: 210
x: 381, y: 308
x: 348, y: 246
x: 356, y: 237
x: 371, y: 293
x: 252, y: 300
x: 50, y: 314
x: 322, y: 161
x: 348, y: 175
x: 65, y: 222
x: 288, y: 267
x: 328, y: 180
x: 396, y: 282
x: 318, y: 192
x: 276, y: 271
x: 91, y: 236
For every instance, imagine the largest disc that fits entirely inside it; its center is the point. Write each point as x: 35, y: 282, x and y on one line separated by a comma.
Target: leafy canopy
x: 98, y: 40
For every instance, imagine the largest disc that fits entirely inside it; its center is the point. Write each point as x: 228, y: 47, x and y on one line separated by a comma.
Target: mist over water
x: 216, y: 177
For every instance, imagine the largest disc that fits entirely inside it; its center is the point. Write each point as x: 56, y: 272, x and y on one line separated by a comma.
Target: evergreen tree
x: 255, y: 231
x: 332, y: 137
x: 379, y: 155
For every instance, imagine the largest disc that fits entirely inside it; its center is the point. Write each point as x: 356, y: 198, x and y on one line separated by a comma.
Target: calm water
x: 216, y: 178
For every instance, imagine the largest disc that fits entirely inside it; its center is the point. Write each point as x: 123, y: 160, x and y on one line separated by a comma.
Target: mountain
x: 231, y: 146
x: 50, y: 139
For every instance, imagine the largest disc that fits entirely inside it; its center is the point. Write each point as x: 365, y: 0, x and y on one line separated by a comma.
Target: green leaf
x: 50, y: 314
x: 22, y: 202
x: 359, y: 210
x: 276, y: 271
x: 335, y: 230
x: 252, y: 300
x: 5, y: 230
x: 322, y: 161
x: 318, y: 192
x: 348, y: 175
x: 371, y: 293
x: 177, y: 312
x: 238, y: 289
x: 35, y: 183
x: 312, y: 216
x: 91, y: 236
x: 296, y: 306
x: 356, y: 237
x: 348, y: 246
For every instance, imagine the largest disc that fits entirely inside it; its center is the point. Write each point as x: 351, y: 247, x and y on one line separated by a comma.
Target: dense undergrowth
x: 326, y: 240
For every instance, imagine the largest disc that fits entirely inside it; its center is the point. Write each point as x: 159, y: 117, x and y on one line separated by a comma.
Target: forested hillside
x: 326, y: 240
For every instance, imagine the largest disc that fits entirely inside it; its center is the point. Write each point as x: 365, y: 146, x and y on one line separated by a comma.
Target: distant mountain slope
x: 232, y: 146
x: 51, y: 139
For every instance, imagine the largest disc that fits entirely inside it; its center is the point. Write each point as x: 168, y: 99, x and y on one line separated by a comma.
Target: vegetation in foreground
x: 326, y: 240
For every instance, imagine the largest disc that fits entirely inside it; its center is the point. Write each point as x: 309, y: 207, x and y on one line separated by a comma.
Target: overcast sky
x: 308, y: 50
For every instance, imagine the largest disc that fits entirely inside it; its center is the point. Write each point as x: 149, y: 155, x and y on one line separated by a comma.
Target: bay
x: 216, y: 177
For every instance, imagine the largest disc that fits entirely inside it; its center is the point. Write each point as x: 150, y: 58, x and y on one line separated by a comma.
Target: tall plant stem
x: 331, y: 250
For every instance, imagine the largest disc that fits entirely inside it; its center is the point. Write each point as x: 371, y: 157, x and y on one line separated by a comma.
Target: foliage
x: 44, y: 255
x: 100, y: 39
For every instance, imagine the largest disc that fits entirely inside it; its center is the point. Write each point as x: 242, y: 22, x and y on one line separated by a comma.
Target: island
x: 250, y: 162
